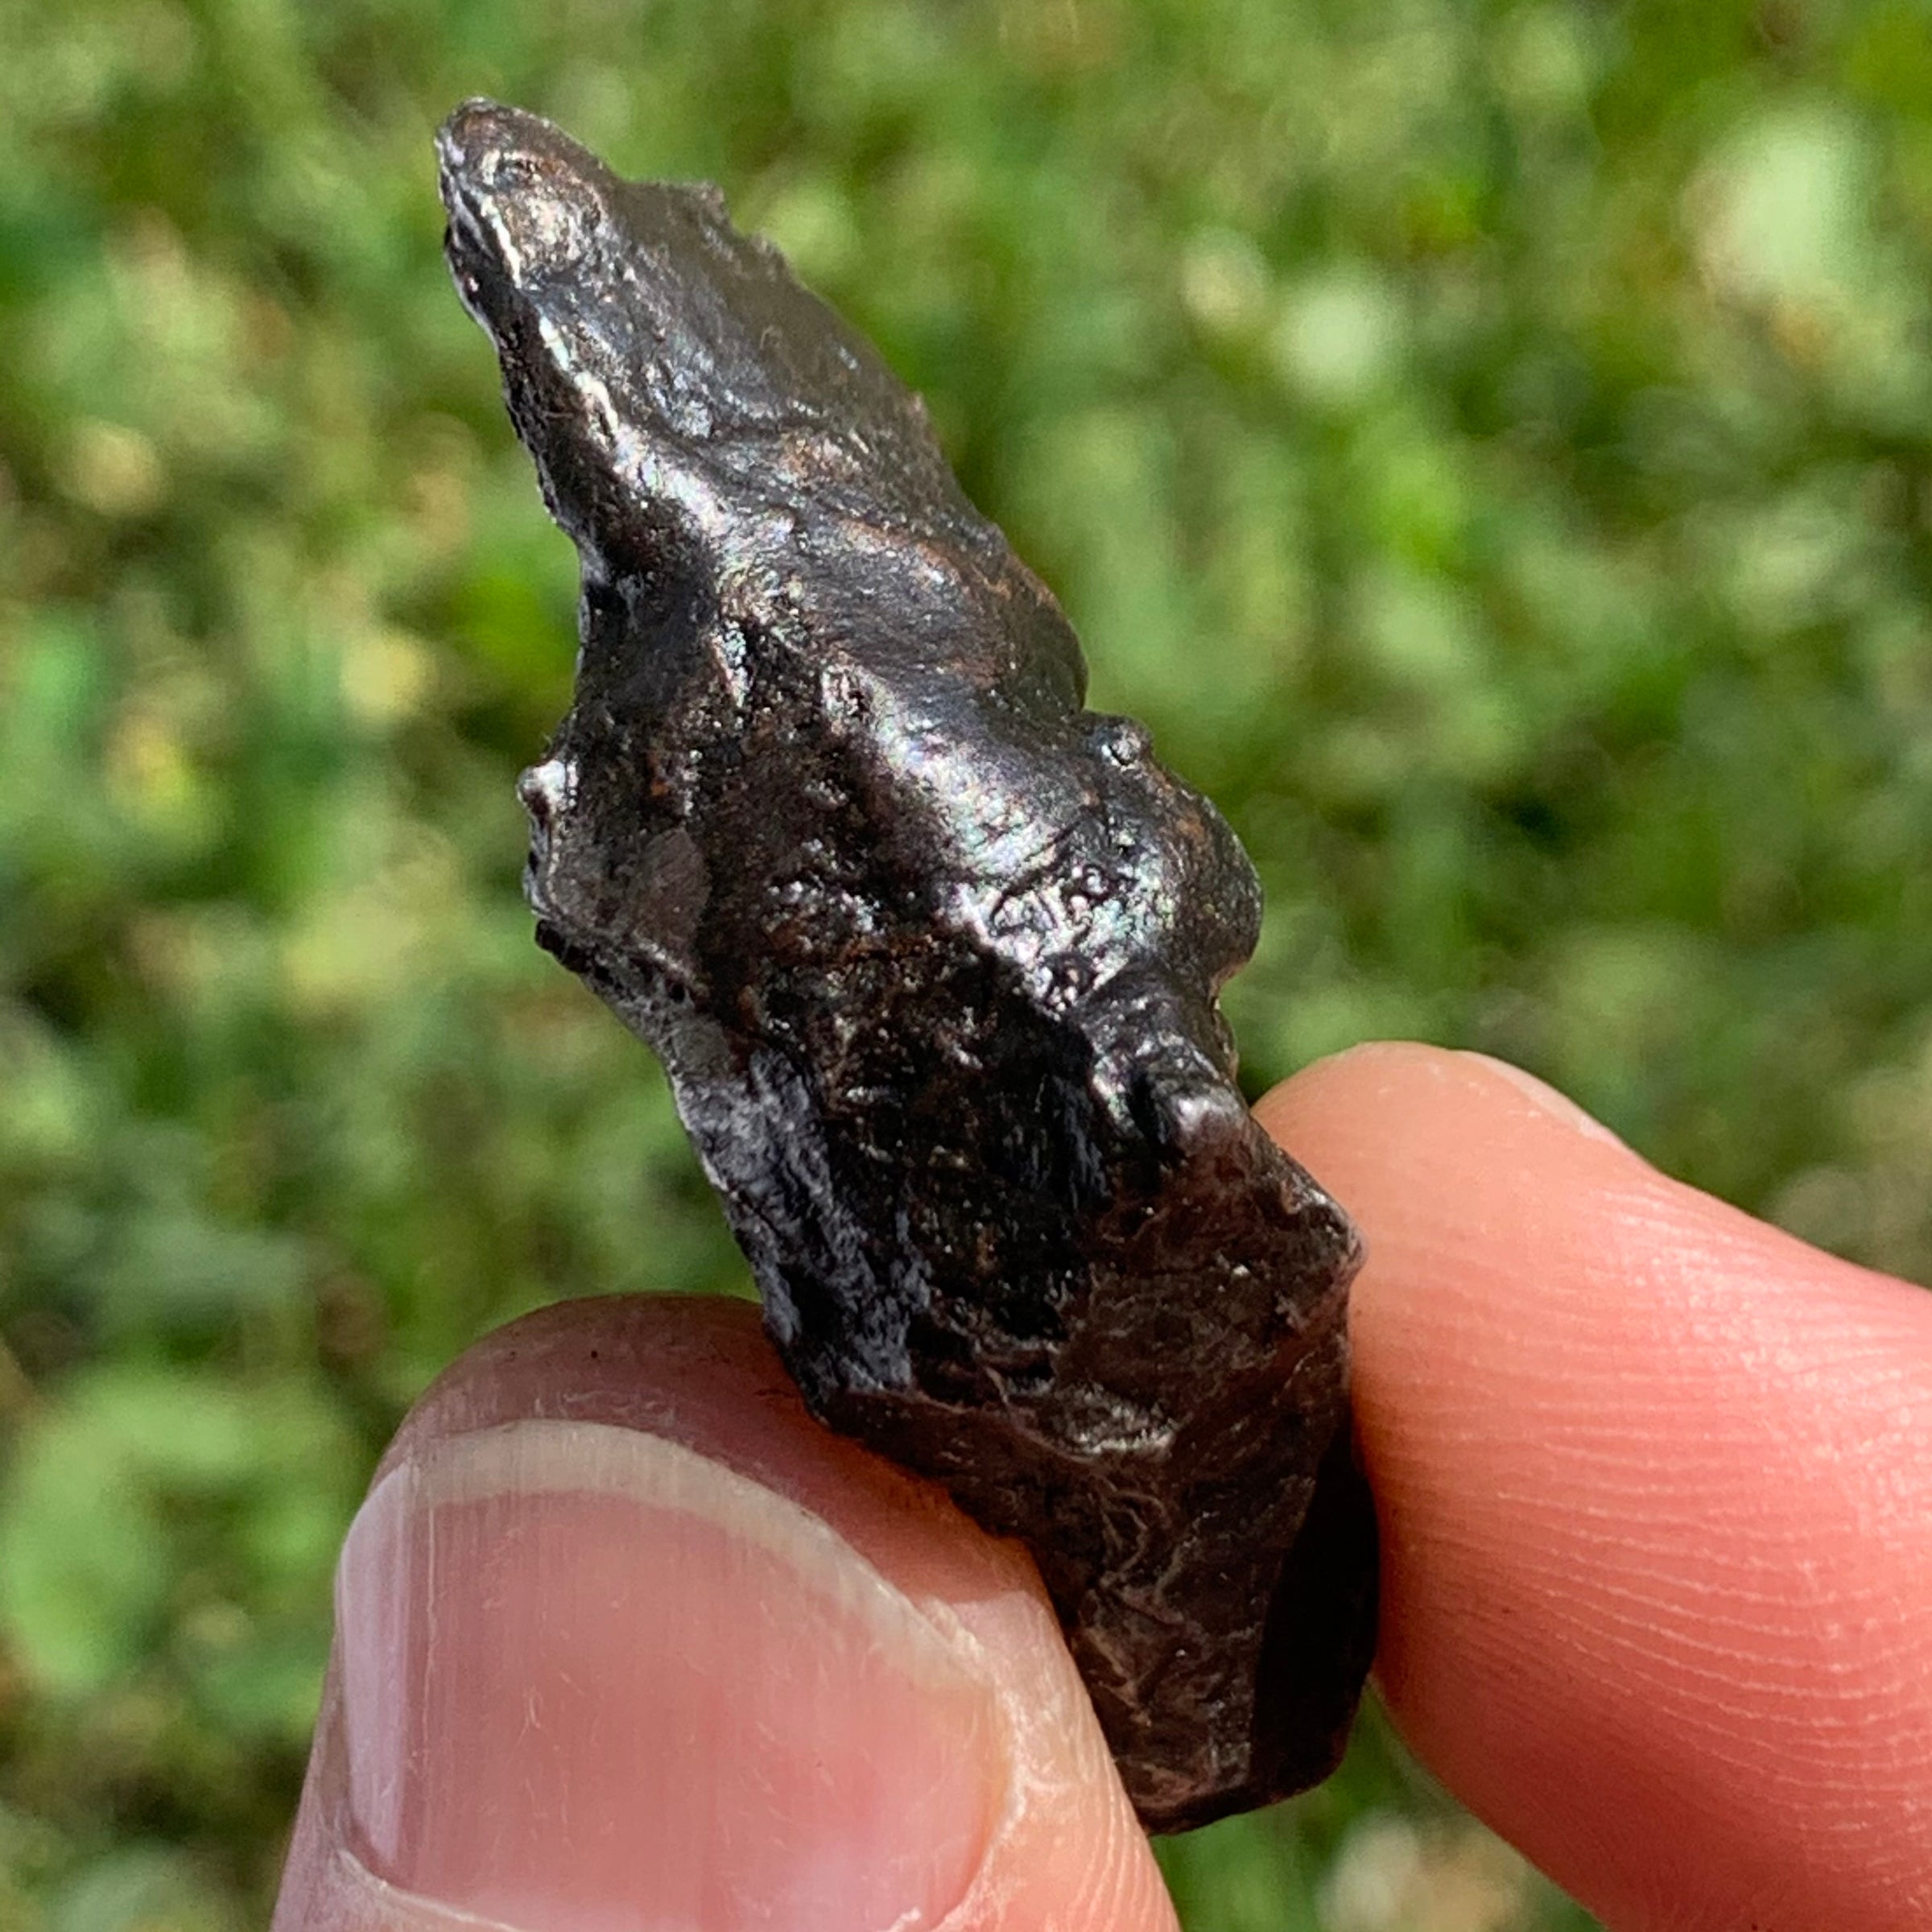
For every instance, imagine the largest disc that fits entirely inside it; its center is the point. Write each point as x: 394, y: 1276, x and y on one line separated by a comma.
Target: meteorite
x: 931, y: 954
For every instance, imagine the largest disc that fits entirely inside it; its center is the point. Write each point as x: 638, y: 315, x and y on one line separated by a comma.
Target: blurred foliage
x: 1489, y: 443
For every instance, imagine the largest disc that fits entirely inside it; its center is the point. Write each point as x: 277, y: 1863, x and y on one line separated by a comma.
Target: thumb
x: 624, y: 1638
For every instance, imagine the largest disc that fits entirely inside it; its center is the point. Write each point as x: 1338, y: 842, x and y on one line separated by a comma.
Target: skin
x: 626, y: 1640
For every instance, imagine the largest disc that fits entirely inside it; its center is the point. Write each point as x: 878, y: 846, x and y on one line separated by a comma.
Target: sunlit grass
x: 1489, y: 446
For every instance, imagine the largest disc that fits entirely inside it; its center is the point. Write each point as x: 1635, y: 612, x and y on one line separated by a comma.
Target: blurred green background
x: 1491, y: 443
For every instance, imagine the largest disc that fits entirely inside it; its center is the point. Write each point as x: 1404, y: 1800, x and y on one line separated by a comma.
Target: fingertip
x: 1655, y: 1508
x: 1363, y: 1097
x: 619, y: 1624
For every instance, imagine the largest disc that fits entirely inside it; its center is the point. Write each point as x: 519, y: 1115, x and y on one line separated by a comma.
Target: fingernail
x: 1547, y: 1100
x: 591, y: 1678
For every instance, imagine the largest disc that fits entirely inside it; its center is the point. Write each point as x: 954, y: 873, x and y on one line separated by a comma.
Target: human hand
x: 624, y: 1640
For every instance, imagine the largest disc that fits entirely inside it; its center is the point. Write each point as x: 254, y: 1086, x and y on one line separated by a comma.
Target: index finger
x: 1655, y: 1482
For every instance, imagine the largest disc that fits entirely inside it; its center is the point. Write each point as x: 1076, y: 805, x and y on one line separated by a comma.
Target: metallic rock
x: 931, y: 954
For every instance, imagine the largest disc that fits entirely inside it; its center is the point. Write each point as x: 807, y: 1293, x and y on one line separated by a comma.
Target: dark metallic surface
x: 931, y: 954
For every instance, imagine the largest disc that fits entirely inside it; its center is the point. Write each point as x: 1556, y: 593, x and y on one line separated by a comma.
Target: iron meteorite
x: 931, y: 953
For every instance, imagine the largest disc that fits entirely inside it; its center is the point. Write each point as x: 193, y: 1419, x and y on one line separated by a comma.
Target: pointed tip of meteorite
x: 523, y: 197
x: 487, y: 145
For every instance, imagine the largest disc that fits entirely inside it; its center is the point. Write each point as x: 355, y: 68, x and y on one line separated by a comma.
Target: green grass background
x: 1488, y: 442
